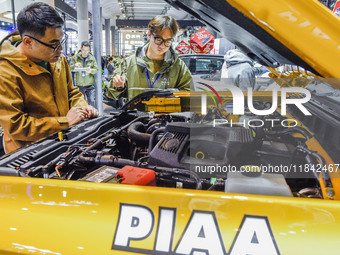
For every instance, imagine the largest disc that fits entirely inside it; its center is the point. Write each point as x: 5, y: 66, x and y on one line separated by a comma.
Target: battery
x: 126, y: 175
x: 102, y: 174
x: 136, y: 176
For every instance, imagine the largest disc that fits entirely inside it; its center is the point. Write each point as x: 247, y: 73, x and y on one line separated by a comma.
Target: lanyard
x: 83, y: 74
x: 84, y: 60
x: 147, y: 76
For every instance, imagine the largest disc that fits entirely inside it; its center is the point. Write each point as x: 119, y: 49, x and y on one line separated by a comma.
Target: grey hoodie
x: 233, y: 57
x: 240, y: 69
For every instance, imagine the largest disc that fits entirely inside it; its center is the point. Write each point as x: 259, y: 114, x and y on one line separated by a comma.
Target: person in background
x: 153, y: 66
x: 84, y: 79
x: 68, y: 57
x: 103, y: 62
x: 110, y: 66
x: 69, y: 62
x: 239, y: 68
x: 37, y: 96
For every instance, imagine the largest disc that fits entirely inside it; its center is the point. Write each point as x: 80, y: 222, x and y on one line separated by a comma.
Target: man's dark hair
x: 86, y: 44
x: 36, y: 18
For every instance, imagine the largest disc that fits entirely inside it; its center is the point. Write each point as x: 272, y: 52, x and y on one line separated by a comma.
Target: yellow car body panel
x: 307, y: 28
x: 50, y: 217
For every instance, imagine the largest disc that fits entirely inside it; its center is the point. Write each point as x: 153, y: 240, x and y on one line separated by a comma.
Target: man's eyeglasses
x: 159, y: 40
x: 56, y: 47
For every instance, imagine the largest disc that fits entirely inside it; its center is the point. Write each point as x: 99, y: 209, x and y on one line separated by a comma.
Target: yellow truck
x: 232, y: 172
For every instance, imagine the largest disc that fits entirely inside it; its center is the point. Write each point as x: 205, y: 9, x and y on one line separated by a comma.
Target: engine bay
x: 187, y: 150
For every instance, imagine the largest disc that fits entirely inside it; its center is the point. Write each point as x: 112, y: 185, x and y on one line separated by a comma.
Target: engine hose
x: 195, y: 176
x: 99, y: 143
x: 300, y: 130
x: 153, y: 121
x: 306, y: 153
x: 108, y: 160
x: 135, y: 120
x: 325, y: 174
x: 153, y: 127
x: 311, y: 162
x: 136, y: 132
x: 153, y: 138
x: 197, y: 179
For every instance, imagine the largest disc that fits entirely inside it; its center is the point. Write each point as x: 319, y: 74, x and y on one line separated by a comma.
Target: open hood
x: 302, y: 33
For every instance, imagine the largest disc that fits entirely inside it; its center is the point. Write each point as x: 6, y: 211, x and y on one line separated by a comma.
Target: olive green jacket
x: 90, y: 62
x: 174, y: 74
x: 33, y: 101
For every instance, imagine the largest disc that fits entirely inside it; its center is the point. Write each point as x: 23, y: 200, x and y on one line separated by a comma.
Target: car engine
x: 179, y: 150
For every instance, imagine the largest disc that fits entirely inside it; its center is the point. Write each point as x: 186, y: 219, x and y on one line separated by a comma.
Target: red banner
x: 202, y: 41
x: 183, y: 47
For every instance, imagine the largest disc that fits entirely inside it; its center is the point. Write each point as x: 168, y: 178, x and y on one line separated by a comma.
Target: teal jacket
x: 172, y: 74
x: 90, y: 61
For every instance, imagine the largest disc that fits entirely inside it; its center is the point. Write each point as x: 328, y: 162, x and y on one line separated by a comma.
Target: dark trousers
x: 89, y: 94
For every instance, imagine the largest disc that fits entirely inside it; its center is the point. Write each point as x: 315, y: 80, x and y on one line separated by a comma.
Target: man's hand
x: 77, y: 64
x: 88, y: 70
x: 76, y: 114
x: 118, y: 81
x: 91, y: 111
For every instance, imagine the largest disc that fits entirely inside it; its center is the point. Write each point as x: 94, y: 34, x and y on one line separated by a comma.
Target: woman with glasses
x: 37, y: 96
x: 154, y: 65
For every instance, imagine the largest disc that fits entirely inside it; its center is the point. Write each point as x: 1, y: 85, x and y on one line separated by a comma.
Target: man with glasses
x: 85, y: 62
x: 153, y: 66
x: 37, y: 96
